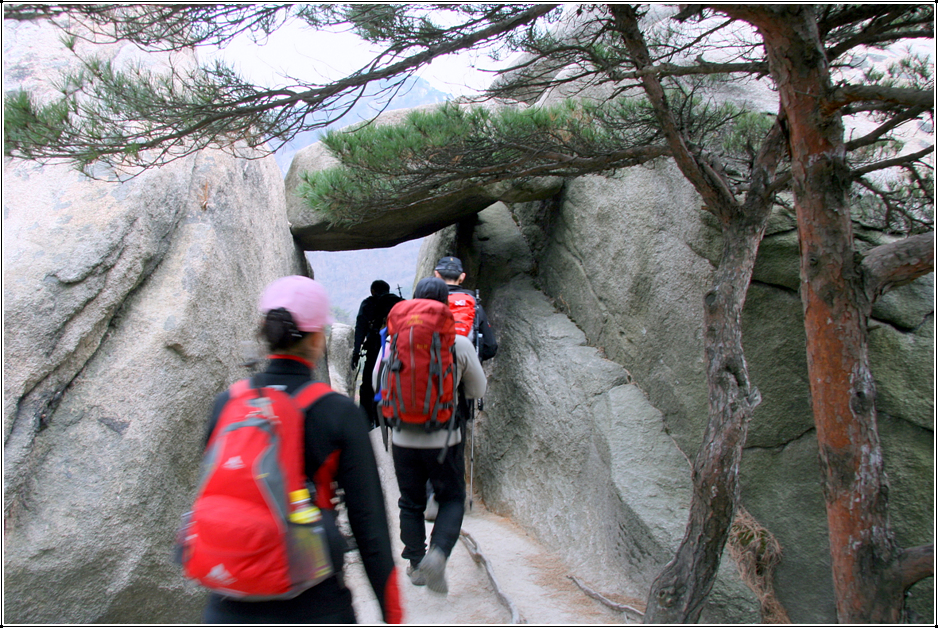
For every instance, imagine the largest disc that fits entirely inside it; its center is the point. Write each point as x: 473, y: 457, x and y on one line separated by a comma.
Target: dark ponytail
x: 280, y: 330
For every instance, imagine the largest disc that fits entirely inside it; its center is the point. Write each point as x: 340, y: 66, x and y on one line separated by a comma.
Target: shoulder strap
x: 304, y: 397
x: 239, y: 387
x: 310, y: 393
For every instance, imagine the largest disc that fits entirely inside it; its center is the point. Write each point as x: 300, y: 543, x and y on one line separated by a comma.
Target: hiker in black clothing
x: 337, y: 453
x: 371, y: 316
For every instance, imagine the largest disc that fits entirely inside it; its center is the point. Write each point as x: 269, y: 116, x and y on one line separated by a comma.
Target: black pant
x: 414, y: 467
x: 327, y: 603
x: 366, y: 393
x: 214, y: 616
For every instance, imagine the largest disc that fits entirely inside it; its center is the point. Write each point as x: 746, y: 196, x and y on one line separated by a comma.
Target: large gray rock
x: 105, y: 444
x: 566, y: 439
x: 616, y: 259
x: 629, y: 258
x: 126, y: 309
x: 341, y: 376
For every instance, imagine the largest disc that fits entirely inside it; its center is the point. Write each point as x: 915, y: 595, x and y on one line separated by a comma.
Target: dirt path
x: 534, y: 579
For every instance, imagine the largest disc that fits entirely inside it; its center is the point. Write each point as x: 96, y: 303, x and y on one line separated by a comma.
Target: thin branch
x: 902, y: 160
x: 875, y: 135
x: 884, y: 38
x: 480, y: 559
x: 892, y: 265
x: 701, y: 68
x: 905, y: 96
x: 841, y: 16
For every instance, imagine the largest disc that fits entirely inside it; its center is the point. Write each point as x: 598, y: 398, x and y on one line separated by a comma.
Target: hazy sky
x: 297, y: 51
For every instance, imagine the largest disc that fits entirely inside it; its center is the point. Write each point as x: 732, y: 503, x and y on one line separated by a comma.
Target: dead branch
x: 625, y: 608
x: 480, y: 559
x: 757, y: 553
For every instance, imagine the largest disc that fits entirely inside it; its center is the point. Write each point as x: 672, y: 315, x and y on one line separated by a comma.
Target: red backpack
x: 418, y: 374
x: 239, y: 539
x: 463, y: 307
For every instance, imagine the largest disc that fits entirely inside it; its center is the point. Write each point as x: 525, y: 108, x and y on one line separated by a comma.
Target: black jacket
x: 371, y: 316
x: 337, y: 450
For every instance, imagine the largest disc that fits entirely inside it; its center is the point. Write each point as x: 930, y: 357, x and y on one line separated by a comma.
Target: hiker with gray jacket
x: 417, y: 454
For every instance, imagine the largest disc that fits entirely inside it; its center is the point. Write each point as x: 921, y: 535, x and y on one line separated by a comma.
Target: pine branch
x: 717, y: 196
x: 892, y: 265
x: 896, y: 23
x: 908, y: 97
x: 858, y: 173
x: 874, y: 136
x: 137, y: 119
x: 845, y: 15
x: 446, y: 153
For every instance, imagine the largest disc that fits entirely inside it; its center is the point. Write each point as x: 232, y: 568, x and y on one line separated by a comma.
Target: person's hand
x: 355, y: 358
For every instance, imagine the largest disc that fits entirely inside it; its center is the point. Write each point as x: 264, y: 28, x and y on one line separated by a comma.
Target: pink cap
x: 303, y: 297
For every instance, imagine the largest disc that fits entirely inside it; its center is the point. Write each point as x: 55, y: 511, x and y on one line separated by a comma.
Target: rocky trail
x: 535, y: 585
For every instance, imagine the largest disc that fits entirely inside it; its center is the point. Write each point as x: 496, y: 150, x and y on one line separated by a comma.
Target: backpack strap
x: 310, y: 393
x: 239, y: 388
x: 394, y: 379
x: 436, y: 370
x: 305, y: 396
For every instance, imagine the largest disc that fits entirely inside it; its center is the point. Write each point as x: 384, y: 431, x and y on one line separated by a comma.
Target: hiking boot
x: 432, y: 509
x: 416, y: 576
x: 433, y: 568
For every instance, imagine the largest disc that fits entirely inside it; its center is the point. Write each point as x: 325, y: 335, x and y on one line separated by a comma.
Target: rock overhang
x: 313, y: 231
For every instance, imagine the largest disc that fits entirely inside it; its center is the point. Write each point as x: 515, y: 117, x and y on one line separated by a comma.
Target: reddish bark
x: 866, y: 560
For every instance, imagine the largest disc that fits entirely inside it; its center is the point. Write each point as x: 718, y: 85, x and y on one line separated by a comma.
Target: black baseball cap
x: 450, y: 264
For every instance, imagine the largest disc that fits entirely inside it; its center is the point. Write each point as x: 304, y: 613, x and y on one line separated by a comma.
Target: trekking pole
x: 472, y: 456
x: 477, y: 335
x: 358, y: 370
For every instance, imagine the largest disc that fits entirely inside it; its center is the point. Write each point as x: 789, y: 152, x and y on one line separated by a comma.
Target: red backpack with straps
x: 418, y: 373
x: 239, y: 539
x: 463, y: 307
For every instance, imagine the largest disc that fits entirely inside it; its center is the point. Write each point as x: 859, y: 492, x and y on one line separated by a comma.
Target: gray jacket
x: 468, y: 372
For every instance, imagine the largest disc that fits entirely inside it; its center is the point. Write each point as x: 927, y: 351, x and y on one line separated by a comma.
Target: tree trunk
x: 864, y: 553
x: 680, y: 590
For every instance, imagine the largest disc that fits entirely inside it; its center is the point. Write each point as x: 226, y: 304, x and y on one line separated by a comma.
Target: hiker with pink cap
x: 335, y: 450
